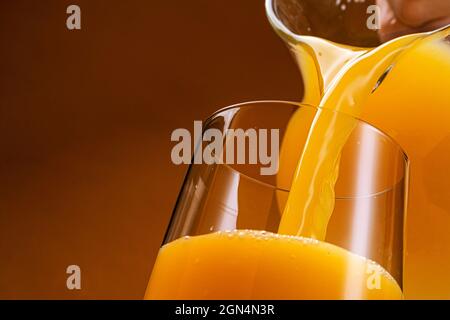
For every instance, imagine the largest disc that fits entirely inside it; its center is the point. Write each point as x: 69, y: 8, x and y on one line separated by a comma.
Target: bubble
x: 229, y: 234
x: 382, y: 78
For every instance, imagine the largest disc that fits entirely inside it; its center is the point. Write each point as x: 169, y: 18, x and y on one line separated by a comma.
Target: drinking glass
x: 223, y: 241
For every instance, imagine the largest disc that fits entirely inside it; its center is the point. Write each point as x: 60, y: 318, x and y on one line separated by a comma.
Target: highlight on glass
x: 238, y: 234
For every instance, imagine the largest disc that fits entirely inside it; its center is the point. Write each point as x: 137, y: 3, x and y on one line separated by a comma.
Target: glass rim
x: 253, y: 104
x: 250, y: 104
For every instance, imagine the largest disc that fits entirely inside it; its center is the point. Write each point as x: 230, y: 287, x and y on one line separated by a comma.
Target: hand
x: 400, y: 17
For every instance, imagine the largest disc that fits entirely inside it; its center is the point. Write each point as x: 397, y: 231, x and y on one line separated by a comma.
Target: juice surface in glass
x: 260, y: 265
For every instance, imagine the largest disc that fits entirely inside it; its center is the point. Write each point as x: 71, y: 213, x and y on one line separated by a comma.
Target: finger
x: 420, y: 13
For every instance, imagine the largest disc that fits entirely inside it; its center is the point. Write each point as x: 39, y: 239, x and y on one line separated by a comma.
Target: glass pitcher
x: 401, y: 87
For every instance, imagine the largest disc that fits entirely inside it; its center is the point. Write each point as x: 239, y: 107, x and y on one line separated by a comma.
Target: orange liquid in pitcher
x: 400, y: 87
x: 260, y: 265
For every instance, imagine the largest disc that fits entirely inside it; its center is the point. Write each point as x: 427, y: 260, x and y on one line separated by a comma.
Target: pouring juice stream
x: 311, y: 199
x: 402, y: 88
x: 373, y: 85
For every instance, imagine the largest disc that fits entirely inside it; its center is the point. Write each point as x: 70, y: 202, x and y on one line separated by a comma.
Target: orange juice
x: 400, y: 87
x: 260, y: 265
x: 311, y: 198
x: 413, y: 106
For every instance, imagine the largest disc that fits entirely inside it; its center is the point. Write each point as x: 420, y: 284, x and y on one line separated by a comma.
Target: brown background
x: 85, y: 124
